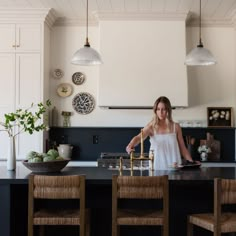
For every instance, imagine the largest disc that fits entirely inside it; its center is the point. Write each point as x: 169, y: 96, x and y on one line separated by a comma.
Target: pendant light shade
x: 200, y: 56
x: 86, y: 56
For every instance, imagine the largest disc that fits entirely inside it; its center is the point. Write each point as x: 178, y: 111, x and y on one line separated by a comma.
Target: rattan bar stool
x: 43, y: 188
x: 143, y: 188
x: 219, y: 221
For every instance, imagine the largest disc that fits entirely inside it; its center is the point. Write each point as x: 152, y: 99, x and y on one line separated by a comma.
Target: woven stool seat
x: 206, y: 221
x: 139, y: 217
x: 57, y: 217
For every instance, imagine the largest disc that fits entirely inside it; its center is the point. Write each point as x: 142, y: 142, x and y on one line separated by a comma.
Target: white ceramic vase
x: 11, y: 158
x: 204, y: 156
x: 65, y: 150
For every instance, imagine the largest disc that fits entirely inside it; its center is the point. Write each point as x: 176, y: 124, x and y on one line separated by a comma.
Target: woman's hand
x: 129, y: 148
x: 190, y: 162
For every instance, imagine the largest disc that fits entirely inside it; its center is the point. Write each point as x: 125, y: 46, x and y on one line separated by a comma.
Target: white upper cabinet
x: 7, y: 39
x: 24, y: 71
x: 20, y: 37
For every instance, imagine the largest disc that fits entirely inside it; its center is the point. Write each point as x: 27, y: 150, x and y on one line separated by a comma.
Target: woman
x: 165, y: 137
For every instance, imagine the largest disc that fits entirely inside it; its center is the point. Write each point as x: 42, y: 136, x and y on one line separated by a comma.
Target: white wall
x: 208, y: 86
x: 211, y: 85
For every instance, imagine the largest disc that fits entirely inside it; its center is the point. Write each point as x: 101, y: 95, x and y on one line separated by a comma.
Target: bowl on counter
x: 46, y: 167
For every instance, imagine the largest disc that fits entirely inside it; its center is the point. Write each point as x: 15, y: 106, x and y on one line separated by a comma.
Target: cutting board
x: 214, y: 145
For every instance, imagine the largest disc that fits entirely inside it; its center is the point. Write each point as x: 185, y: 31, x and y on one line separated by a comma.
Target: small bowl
x: 46, y: 167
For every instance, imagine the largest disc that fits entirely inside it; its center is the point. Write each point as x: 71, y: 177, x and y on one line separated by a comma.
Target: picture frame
x: 220, y: 117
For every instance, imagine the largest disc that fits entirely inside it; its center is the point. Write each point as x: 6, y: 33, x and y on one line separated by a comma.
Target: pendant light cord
x: 87, y: 42
x: 200, y: 25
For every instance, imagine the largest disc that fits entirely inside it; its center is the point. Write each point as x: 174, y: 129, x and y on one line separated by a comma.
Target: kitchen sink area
x: 111, y: 160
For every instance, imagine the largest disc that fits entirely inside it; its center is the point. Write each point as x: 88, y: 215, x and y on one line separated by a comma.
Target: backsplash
x: 89, y: 142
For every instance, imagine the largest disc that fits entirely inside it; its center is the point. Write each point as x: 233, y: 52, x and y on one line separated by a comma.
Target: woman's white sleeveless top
x: 166, y: 150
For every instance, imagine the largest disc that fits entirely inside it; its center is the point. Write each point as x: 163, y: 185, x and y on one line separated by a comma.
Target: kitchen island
x: 191, y: 191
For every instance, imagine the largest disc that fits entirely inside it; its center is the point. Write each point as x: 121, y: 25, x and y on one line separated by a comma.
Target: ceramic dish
x: 78, y: 78
x: 49, y: 166
x: 58, y: 73
x: 83, y: 103
x: 64, y: 90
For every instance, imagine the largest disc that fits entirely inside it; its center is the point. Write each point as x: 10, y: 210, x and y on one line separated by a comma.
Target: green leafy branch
x: 25, y: 120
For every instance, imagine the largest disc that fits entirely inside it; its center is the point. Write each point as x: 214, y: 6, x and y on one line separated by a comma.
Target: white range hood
x: 142, y: 61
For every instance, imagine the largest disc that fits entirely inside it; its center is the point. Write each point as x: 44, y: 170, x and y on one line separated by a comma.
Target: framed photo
x: 219, y: 117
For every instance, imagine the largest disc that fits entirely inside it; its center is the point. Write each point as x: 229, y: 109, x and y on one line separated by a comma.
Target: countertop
x: 100, y: 175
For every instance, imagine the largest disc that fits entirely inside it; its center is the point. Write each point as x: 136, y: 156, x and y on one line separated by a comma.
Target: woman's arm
x: 137, y: 139
x: 183, y: 150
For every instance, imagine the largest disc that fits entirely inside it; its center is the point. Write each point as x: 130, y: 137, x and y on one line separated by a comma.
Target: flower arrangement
x: 215, y: 115
x: 25, y: 120
x: 204, y: 148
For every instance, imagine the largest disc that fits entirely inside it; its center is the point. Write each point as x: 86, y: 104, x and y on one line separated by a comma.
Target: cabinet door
x: 20, y: 37
x: 7, y: 95
x: 28, y: 79
x: 7, y: 43
x: 28, y: 91
x: 28, y: 37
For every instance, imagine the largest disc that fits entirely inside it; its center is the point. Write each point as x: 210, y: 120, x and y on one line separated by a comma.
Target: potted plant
x: 23, y: 120
x: 204, y: 150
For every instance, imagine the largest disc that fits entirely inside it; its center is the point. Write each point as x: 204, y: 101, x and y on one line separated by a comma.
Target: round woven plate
x: 78, y: 78
x: 83, y: 103
x: 58, y: 73
x: 64, y: 90
x: 49, y: 166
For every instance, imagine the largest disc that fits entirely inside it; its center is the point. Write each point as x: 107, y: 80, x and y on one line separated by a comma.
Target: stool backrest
x: 228, y: 191
x: 141, y: 187
x: 57, y: 187
x: 224, y: 193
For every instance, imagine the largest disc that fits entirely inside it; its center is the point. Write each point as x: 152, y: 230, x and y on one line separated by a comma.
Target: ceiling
x: 216, y: 11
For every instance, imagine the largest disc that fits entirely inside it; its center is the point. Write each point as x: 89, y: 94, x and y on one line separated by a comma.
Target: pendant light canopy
x: 200, y: 56
x: 86, y: 56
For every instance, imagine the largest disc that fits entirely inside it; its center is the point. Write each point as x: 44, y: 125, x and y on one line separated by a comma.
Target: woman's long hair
x: 155, y: 120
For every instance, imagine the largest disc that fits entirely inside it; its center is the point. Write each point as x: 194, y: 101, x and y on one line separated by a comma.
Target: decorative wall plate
x: 83, y: 103
x: 64, y: 90
x: 78, y: 78
x: 58, y: 73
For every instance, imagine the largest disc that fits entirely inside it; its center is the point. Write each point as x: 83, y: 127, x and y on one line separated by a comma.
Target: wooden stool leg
x: 164, y: 230
x: 114, y: 229
x: 216, y: 233
x: 41, y: 230
x: 189, y: 227
x: 87, y: 229
x: 30, y: 230
x: 118, y: 230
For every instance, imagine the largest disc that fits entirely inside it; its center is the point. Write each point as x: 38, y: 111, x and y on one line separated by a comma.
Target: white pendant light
x: 200, y: 56
x: 86, y: 56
